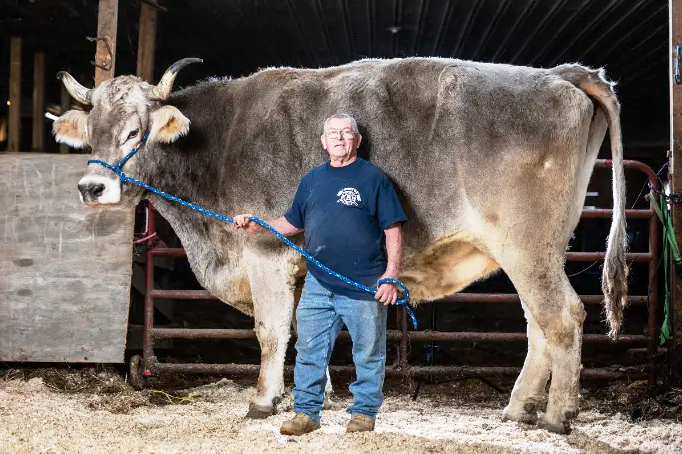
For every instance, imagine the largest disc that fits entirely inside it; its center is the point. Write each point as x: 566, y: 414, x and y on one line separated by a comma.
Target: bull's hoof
x: 562, y: 427
x: 259, y: 412
x: 527, y: 415
x: 572, y: 414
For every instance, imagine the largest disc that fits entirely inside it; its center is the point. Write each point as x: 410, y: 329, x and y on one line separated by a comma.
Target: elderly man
x: 352, y: 220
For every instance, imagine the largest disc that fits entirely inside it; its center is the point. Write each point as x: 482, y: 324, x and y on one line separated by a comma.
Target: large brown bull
x: 492, y: 162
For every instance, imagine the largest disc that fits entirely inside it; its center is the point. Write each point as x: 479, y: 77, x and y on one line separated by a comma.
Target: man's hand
x: 387, y: 293
x: 242, y: 221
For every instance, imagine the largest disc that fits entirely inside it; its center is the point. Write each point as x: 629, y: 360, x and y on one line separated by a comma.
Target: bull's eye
x: 132, y: 134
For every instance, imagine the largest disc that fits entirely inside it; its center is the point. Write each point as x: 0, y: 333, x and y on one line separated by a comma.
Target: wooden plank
x: 65, y: 104
x: 105, y: 56
x: 65, y: 269
x: 14, y: 132
x: 675, y: 168
x: 146, y: 45
x: 38, y: 136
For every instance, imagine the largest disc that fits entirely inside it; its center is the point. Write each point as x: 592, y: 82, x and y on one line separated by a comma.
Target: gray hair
x: 342, y: 116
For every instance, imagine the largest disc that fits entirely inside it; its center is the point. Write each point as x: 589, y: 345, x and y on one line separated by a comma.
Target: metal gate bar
x: 151, y: 366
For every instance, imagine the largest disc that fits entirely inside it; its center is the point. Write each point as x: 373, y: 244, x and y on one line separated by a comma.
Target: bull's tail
x: 615, y: 271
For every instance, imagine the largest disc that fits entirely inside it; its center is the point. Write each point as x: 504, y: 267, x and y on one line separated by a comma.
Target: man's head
x: 341, y: 137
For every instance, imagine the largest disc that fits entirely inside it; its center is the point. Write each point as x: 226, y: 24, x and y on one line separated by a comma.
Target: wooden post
x: 675, y: 168
x: 38, y: 136
x: 14, y: 133
x: 65, y: 103
x: 146, y: 45
x: 105, y: 56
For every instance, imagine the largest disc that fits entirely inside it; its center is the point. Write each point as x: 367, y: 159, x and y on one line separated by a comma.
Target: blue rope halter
x: 124, y: 178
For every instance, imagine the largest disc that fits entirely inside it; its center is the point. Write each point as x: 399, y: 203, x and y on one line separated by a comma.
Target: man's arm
x: 280, y: 224
x: 388, y: 293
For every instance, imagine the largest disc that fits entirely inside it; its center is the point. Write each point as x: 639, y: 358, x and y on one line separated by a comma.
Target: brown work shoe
x: 298, y: 425
x: 360, y: 423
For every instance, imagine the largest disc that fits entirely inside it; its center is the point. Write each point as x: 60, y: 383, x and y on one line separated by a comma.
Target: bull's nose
x: 91, y: 191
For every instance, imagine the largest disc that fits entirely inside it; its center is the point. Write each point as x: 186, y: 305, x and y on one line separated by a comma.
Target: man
x: 352, y: 218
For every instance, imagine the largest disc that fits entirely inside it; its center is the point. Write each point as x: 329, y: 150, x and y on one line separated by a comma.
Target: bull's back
x: 444, y: 130
x: 450, y: 133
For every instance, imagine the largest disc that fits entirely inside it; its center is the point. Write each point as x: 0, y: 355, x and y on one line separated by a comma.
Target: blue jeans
x: 320, y: 316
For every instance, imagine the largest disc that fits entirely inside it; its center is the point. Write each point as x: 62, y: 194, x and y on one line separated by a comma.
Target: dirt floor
x: 96, y: 411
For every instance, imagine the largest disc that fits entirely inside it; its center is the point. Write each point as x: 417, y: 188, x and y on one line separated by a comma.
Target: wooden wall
x: 64, y: 268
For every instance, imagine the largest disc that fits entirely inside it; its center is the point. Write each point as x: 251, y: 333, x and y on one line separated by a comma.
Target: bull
x: 478, y: 151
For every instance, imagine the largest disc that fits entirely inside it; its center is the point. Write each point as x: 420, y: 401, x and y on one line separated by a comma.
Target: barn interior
x: 235, y: 38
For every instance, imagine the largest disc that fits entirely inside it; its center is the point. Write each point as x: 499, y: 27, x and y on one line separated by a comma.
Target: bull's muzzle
x: 97, y: 189
x: 91, y: 191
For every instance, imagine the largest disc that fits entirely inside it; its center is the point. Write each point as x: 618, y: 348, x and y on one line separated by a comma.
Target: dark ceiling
x: 236, y: 37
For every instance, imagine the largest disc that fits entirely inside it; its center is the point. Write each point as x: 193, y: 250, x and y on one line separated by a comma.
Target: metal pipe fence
x: 149, y: 365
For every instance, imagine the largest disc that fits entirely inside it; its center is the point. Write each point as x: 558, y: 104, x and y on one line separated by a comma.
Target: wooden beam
x: 105, y: 56
x: 675, y: 168
x: 38, y: 136
x: 65, y: 103
x: 14, y: 132
x: 146, y: 45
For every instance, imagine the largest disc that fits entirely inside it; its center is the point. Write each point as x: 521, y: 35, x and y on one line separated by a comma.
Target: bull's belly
x: 442, y: 268
x: 445, y: 267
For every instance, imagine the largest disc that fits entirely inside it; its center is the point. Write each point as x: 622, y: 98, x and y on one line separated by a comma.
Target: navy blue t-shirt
x: 344, y: 211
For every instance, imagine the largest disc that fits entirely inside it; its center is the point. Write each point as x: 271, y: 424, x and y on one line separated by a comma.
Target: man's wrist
x: 391, y: 273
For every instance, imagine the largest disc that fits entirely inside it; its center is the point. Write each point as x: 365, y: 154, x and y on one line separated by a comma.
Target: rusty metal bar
x: 607, y: 213
x: 454, y: 298
x: 422, y: 336
x: 147, y: 338
x: 639, y: 257
x: 401, y: 323
x: 183, y: 294
x: 219, y: 333
x: 396, y: 335
x: 462, y: 371
x: 654, y: 245
x: 514, y: 298
x: 468, y: 371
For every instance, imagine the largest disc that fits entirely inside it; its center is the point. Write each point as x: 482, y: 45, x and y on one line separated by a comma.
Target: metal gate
x: 149, y: 365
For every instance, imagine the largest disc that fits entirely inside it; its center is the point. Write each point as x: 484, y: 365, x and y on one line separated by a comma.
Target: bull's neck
x: 191, y: 227
x: 191, y: 177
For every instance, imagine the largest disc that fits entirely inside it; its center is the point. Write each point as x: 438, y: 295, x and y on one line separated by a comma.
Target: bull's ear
x: 168, y: 124
x: 71, y: 129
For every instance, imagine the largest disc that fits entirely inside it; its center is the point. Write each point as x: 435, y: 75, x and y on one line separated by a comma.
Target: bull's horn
x: 79, y: 92
x: 162, y: 90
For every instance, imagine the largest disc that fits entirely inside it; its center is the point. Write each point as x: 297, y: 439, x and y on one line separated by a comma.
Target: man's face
x: 338, y: 139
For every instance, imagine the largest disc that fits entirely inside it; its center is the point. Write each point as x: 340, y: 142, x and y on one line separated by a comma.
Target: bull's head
x: 123, y: 109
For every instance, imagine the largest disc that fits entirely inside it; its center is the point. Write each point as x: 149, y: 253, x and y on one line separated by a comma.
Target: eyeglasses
x: 347, y: 134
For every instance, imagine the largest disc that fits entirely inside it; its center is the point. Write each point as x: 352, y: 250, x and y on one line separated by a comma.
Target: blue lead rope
x: 124, y: 178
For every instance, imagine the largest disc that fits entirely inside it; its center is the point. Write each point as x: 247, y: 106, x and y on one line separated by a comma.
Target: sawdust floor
x: 67, y: 414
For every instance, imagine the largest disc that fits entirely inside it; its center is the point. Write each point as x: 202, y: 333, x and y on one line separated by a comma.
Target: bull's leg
x: 558, y: 312
x: 564, y: 345
x: 273, y: 303
x: 530, y: 385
